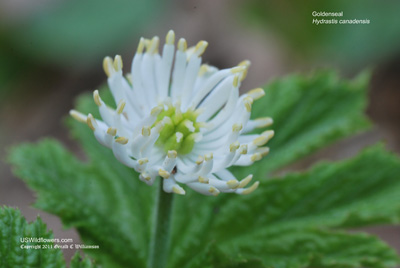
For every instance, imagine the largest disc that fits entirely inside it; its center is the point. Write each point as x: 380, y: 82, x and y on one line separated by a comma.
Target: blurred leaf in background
x: 69, y: 34
x: 81, y: 31
x: 348, y: 45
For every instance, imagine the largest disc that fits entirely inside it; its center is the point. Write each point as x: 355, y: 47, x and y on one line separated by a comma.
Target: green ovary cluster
x: 179, y: 131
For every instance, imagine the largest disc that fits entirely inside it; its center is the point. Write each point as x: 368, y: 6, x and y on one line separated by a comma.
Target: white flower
x: 180, y: 120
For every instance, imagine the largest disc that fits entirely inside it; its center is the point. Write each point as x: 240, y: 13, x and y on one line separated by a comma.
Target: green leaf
x: 211, y: 257
x: 307, y: 247
x: 279, y: 220
x: 309, y: 113
x: 13, y: 228
x: 111, y: 207
x: 352, y: 193
x: 315, y: 248
x: 16, y: 252
x: 105, y: 201
x: 78, y: 262
x: 361, y: 191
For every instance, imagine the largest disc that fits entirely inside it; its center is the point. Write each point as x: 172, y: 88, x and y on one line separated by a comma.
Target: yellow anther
x: 146, y: 131
x: 140, y: 46
x: 121, y: 106
x: 214, y: 191
x: 143, y: 161
x: 202, y: 179
x: 96, y: 97
x: 182, y: 45
x: 90, y: 120
x: 243, y: 183
x: 260, y: 141
x: 122, y: 140
x: 235, y: 82
x: 172, y: 154
x: 178, y: 190
x: 157, y: 110
x: 145, y: 176
x: 234, y: 146
x: 268, y: 134
x: 203, y: 69
x: 209, y: 157
x: 170, y: 38
x: 200, y: 48
x: 264, y: 122
x: 243, y: 75
x: 118, y: 63
x: 112, y: 131
x: 251, y: 188
x: 243, y: 149
x: 108, y: 66
x: 256, y: 157
x: 147, y: 44
x: 245, y: 63
x: 248, y: 101
x: 263, y: 151
x: 237, y: 127
x: 256, y: 93
x: 233, y: 184
x: 238, y: 69
x: 78, y: 116
x: 163, y: 173
x: 129, y: 78
x: 154, y: 43
x: 200, y: 160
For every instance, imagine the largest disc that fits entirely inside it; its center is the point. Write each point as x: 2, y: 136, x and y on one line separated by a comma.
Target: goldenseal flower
x: 180, y: 120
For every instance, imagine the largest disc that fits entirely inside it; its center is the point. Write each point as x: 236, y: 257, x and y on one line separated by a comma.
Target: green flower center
x: 179, y: 132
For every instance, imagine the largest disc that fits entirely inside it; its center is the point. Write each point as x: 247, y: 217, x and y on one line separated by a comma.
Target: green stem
x: 159, y: 243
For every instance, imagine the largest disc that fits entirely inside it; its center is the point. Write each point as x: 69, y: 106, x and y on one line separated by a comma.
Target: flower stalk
x: 159, y: 243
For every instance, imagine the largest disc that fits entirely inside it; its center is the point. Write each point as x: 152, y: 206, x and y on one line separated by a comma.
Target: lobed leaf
x: 16, y: 252
x: 78, y: 262
x: 14, y: 227
x: 288, y: 221
x: 309, y: 113
x: 108, y: 210
x: 309, y: 247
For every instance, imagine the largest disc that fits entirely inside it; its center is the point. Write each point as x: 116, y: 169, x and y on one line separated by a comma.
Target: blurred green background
x: 51, y: 50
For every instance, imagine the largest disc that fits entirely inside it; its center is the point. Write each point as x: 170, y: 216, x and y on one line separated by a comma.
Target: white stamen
x: 174, y: 109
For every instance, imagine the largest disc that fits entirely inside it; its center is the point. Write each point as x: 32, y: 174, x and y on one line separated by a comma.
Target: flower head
x: 180, y: 120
